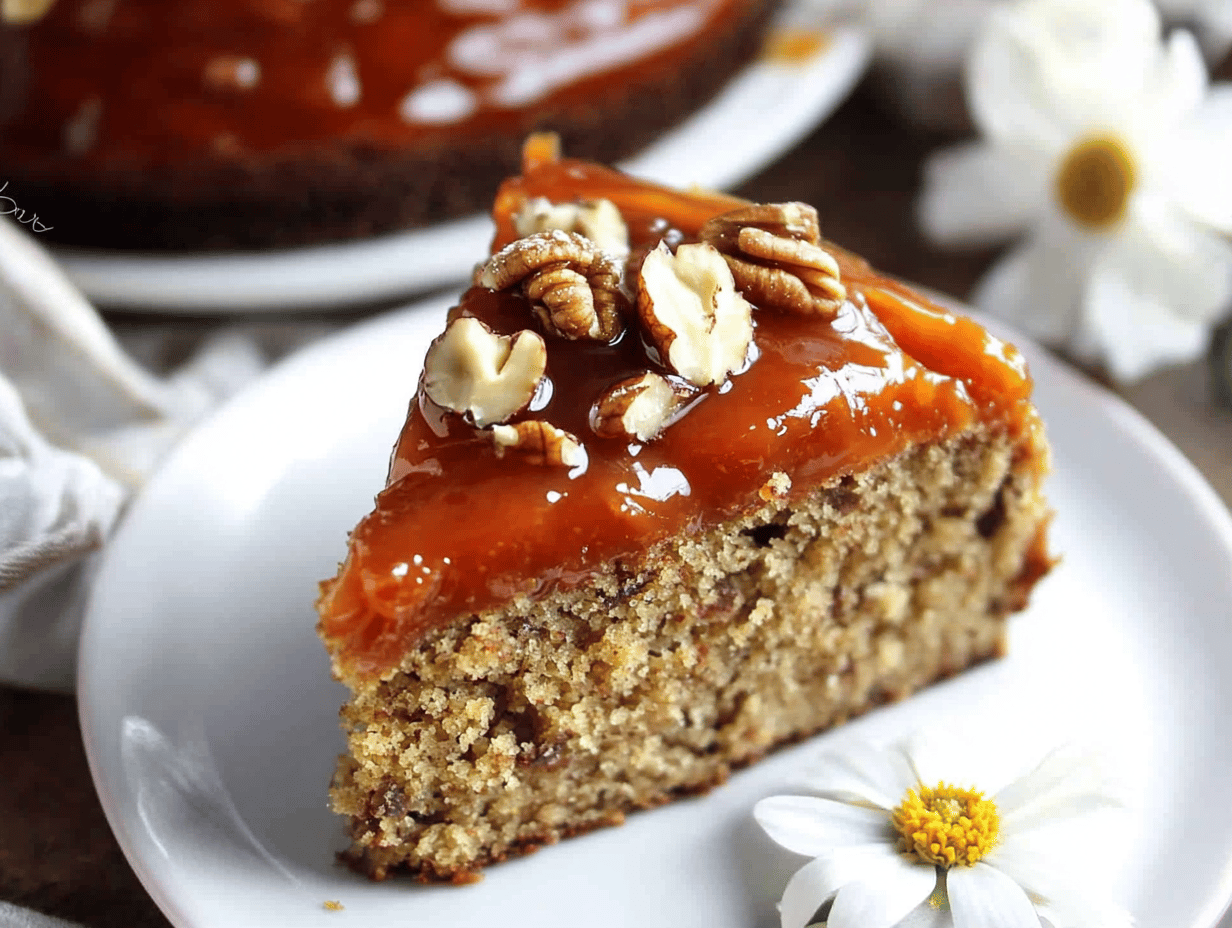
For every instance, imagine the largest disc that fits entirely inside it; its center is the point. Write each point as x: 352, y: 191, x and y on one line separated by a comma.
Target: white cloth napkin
x: 82, y: 426
x: 12, y: 916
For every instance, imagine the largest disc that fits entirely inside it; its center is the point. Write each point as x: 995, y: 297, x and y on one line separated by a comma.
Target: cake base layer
x: 557, y: 716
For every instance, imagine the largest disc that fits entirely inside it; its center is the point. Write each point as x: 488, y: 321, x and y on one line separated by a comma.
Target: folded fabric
x: 81, y: 428
x: 12, y: 916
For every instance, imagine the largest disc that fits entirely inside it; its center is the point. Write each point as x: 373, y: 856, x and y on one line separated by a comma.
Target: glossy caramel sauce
x: 459, y: 530
x: 136, y: 83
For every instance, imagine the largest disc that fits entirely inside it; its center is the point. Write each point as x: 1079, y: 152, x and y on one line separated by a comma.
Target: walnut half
x: 484, y: 376
x: 539, y: 442
x: 776, y: 258
x: 692, y: 313
x: 599, y: 220
x: 639, y: 407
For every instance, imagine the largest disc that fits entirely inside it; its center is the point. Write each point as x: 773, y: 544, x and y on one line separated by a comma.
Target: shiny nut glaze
x: 458, y: 530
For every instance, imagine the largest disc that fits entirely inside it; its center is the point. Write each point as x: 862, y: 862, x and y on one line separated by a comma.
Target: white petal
x: 1167, y: 259
x: 1132, y: 332
x: 983, y: 897
x: 811, y: 826
x: 820, y: 879
x: 977, y: 193
x: 1063, y: 890
x: 1046, y: 72
x: 1006, y: 98
x: 1066, y: 782
x: 1038, y: 287
x: 1031, y: 866
x: 1176, y: 85
x: 882, y: 899
x: 862, y: 773
x: 1193, y: 168
x: 804, y: 895
x: 961, y: 755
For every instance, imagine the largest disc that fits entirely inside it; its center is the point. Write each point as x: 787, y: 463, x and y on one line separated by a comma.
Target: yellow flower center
x: 945, y: 825
x: 1095, y: 181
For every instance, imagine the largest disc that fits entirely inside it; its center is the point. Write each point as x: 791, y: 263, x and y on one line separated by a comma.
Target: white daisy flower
x: 897, y: 842
x: 1109, y: 150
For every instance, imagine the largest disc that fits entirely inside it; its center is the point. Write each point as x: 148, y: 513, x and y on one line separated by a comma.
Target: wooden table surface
x: 862, y: 170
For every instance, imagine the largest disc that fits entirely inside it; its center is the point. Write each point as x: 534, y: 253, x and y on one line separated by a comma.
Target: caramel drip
x: 459, y: 530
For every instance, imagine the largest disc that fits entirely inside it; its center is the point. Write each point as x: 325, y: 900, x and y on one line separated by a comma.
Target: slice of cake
x: 682, y: 482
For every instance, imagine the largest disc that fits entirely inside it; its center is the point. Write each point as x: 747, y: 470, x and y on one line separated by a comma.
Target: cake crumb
x: 333, y: 905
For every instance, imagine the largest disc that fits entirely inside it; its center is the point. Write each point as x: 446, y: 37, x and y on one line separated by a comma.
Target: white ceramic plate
x: 210, y: 718
x: 765, y: 110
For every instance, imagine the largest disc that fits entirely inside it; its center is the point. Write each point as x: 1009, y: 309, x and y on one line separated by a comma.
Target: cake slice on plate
x: 682, y: 482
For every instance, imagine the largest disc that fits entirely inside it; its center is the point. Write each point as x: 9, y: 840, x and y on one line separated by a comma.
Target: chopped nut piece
x: 540, y: 443
x: 776, y: 487
x: 776, y: 259
x: 599, y: 220
x: 639, y: 407
x: 692, y: 313
x: 484, y: 376
x: 574, y: 284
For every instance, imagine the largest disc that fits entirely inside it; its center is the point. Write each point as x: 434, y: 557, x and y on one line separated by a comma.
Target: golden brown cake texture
x: 565, y: 611
x: 257, y: 123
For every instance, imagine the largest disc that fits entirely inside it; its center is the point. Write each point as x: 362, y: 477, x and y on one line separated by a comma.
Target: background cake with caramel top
x: 682, y: 482
x: 254, y: 123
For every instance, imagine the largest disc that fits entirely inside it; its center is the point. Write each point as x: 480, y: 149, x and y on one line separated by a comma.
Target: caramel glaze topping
x: 138, y: 83
x: 459, y: 530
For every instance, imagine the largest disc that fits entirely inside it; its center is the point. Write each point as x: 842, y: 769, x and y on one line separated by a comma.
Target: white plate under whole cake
x: 760, y: 114
x: 210, y: 719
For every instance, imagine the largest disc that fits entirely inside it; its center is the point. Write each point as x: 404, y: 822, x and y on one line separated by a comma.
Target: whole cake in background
x: 682, y: 482
x: 236, y: 124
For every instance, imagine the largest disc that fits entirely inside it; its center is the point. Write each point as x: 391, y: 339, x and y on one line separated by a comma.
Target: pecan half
x: 692, y: 313
x: 776, y: 258
x: 484, y: 376
x: 639, y: 407
x: 539, y: 442
x: 573, y: 284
